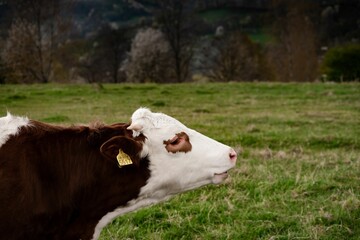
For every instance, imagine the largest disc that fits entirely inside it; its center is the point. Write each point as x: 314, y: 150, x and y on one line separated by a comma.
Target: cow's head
x: 180, y: 158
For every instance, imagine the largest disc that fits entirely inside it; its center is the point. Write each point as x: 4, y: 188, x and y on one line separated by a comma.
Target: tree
x: 293, y: 52
x: 91, y: 67
x: 113, y: 42
x: 177, y: 25
x: 20, y: 54
x: 37, y: 29
x: 100, y: 58
x: 234, y: 57
x: 149, y: 59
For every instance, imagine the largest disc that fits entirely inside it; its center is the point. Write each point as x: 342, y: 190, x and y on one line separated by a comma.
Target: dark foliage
x: 343, y: 63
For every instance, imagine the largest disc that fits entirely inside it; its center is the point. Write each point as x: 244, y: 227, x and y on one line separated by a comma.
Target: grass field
x: 298, y: 176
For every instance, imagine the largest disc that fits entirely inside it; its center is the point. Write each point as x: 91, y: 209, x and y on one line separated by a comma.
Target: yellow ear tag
x: 123, y: 159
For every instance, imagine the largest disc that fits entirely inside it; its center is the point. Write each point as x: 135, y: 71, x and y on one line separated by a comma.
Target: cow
x: 60, y: 182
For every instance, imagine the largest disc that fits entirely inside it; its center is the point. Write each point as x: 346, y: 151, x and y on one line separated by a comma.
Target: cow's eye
x: 175, y: 142
x: 179, y: 143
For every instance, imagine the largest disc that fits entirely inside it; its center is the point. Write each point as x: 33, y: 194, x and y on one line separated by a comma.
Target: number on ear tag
x: 123, y: 159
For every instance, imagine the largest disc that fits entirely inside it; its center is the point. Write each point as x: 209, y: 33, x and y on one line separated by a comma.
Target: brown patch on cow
x: 179, y: 143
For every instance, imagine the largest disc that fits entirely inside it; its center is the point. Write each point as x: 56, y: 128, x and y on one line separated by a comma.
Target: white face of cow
x: 180, y: 158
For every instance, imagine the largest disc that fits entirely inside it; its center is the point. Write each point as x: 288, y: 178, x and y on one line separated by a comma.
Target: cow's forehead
x: 154, y: 120
x: 161, y: 119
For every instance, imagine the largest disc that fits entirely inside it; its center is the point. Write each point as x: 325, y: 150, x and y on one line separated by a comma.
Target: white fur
x: 132, y: 206
x: 10, y: 125
x: 172, y: 173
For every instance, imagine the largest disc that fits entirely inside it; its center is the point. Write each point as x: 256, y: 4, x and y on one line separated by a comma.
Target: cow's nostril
x: 233, y: 155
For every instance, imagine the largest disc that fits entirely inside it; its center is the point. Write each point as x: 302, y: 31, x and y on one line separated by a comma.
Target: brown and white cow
x: 65, y: 182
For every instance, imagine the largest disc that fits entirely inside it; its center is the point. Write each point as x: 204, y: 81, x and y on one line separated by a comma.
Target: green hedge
x: 342, y: 63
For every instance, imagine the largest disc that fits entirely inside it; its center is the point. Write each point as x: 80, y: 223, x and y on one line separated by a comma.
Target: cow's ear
x: 124, y: 150
x: 136, y: 127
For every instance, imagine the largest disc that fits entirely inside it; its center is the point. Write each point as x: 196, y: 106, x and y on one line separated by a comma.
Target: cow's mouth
x: 222, y: 174
x: 220, y: 177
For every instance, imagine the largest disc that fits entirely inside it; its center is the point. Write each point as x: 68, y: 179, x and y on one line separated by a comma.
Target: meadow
x: 298, y: 174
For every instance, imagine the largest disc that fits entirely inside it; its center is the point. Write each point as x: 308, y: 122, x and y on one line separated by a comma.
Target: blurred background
x: 168, y: 41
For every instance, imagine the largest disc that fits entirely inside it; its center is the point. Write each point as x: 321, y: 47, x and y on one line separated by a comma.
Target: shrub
x: 342, y: 63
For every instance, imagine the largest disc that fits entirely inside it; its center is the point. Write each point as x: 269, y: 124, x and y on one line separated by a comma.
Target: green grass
x: 298, y: 176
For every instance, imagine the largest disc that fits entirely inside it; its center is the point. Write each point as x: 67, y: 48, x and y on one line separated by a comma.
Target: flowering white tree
x: 148, y: 59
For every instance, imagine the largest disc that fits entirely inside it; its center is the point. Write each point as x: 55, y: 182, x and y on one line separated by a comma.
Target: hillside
x: 89, y: 15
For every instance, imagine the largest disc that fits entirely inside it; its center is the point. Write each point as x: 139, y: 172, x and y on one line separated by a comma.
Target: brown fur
x: 55, y: 183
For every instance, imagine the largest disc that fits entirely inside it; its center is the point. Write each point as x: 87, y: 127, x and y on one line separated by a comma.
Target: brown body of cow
x: 53, y: 185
